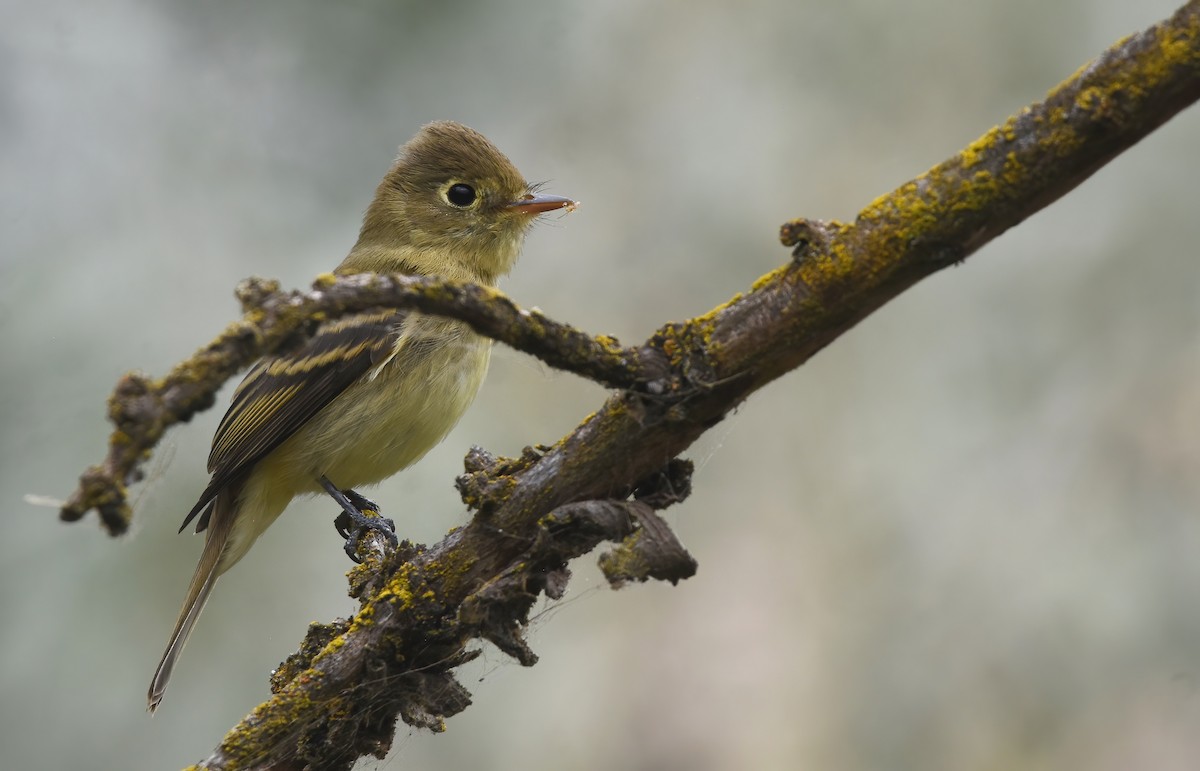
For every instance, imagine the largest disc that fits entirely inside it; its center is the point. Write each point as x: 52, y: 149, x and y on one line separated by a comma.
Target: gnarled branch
x: 142, y: 408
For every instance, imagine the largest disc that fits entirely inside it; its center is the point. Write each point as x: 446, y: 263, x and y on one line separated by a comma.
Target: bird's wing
x: 281, y: 393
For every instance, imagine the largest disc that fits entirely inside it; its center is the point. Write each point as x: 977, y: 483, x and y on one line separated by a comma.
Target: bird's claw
x: 353, y: 527
x: 354, y: 522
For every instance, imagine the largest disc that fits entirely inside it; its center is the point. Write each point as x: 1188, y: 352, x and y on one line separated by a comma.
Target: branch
x: 142, y: 408
x: 338, y: 697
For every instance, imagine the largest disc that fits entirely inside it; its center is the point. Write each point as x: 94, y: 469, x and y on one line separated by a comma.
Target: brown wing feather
x: 281, y: 393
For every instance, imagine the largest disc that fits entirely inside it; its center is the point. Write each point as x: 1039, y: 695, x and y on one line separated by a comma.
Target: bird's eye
x: 461, y: 195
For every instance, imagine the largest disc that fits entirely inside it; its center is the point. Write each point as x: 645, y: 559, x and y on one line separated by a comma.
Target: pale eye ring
x: 461, y: 195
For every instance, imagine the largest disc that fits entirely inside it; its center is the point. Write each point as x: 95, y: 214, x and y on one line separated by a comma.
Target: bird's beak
x: 540, y: 204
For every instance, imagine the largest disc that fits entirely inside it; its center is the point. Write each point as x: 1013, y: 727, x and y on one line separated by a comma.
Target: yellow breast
x: 392, y: 416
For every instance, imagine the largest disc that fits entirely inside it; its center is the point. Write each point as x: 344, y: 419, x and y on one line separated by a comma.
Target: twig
x: 142, y: 408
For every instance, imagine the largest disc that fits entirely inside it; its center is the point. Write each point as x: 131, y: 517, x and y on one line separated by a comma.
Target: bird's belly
x: 381, y: 425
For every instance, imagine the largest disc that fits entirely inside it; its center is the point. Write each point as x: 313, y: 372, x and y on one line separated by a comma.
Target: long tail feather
x: 203, y: 579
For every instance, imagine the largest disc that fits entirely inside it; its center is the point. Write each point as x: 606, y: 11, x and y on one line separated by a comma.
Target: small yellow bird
x: 368, y: 394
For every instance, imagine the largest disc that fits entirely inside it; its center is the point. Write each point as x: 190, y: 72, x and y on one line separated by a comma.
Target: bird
x: 369, y: 393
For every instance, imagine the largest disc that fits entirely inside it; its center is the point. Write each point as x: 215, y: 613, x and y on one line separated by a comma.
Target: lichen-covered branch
x: 142, y: 408
x: 339, y: 696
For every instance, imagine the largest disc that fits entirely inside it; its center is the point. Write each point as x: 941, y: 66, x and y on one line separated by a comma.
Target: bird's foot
x: 359, y: 516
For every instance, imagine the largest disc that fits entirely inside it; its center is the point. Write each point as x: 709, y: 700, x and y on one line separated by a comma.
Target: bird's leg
x: 353, y: 523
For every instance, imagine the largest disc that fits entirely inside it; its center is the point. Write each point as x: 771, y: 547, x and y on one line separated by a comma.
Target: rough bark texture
x: 339, y: 696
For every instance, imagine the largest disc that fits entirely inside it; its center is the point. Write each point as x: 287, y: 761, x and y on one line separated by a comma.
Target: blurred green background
x: 964, y: 536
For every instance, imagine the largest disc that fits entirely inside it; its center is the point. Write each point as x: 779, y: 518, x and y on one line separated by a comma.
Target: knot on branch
x: 488, y: 478
x: 101, y: 491
x: 254, y: 293
x: 647, y: 549
x: 136, y: 407
x: 664, y: 488
x: 650, y: 552
x: 809, y: 237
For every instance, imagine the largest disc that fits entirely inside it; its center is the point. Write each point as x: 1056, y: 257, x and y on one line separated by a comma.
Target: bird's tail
x: 217, y: 534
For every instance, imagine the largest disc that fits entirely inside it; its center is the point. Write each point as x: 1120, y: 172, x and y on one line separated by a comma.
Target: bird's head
x: 451, y: 205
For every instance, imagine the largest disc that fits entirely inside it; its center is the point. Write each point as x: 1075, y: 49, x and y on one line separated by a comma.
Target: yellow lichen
x: 768, y: 278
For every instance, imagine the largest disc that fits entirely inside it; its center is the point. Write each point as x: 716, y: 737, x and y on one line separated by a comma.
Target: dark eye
x: 461, y: 195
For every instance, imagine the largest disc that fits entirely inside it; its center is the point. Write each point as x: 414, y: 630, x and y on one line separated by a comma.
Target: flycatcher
x: 371, y: 393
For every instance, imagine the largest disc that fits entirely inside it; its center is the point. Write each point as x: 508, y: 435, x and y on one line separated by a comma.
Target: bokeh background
x: 966, y: 535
